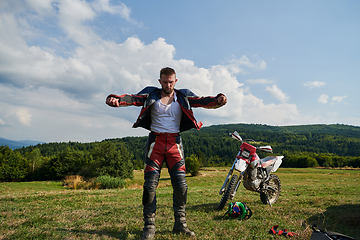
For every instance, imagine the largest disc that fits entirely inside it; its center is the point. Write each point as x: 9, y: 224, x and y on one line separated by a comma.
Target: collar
x: 175, y: 97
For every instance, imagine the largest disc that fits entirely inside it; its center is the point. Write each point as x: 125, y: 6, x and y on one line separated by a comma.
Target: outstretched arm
x: 125, y: 100
x: 208, y: 102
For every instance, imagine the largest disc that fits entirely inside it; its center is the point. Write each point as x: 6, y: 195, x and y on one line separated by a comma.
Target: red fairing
x: 255, y: 157
x: 247, y: 150
x: 248, y: 153
x: 268, y: 161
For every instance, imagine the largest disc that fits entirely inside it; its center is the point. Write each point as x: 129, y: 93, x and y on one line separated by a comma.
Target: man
x: 165, y: 112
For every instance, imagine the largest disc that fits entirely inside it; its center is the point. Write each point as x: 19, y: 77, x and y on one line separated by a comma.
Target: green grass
x: 46, y: 210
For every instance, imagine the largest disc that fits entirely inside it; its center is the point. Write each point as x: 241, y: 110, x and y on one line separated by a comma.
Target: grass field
x: 45, y: 210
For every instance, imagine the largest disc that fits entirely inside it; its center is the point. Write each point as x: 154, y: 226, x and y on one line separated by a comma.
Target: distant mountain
x: 17, y: 144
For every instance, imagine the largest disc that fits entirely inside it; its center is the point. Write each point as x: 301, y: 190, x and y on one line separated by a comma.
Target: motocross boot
x: 179, y: 204
x: 149, y: 229
x: 149, y: 203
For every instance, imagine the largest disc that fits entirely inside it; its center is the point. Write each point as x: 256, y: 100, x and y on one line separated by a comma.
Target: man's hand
x: 112, y: 101
x: 222, y: 100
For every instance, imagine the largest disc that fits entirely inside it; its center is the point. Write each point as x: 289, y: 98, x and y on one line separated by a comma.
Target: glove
x: 282, y: 232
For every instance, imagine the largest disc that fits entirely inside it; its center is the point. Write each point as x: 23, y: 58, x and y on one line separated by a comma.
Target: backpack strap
x: 248, y: 212
x: 331, y: 235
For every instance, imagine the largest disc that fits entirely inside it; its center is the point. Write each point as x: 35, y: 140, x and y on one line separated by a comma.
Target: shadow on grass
x: 121, y: 234
x: 209, y: 207
x: 344, y: 219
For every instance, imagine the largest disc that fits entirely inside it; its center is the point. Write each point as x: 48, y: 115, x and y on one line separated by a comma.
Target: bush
x: 192, y: 165
x: 77, y: 182
x: 108, y: 182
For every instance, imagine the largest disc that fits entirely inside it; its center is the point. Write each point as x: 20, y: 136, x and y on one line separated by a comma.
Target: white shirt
x: 166, y: 118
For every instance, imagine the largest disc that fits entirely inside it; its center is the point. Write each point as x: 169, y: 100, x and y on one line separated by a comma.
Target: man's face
x: 167, y: 83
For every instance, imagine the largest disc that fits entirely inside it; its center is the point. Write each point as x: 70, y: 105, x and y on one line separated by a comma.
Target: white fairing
x: 240, y: 165
x: 277, y: 163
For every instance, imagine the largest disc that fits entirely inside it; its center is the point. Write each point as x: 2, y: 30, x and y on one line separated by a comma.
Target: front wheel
x: 271, y: 190
x: 229, y: 190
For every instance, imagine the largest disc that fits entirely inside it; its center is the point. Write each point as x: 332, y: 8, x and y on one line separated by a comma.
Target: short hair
x: 167, y: 71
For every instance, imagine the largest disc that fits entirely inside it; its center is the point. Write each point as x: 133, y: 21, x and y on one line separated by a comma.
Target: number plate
x: 245, y: 154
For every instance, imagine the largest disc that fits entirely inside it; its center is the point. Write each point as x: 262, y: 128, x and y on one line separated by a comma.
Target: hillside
x: 17, y: 144
x: 214, y: 146
x: 333, y: 129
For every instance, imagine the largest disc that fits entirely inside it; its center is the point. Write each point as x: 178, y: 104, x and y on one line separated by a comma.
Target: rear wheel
x: 272, y: 190
x: 229, y: 190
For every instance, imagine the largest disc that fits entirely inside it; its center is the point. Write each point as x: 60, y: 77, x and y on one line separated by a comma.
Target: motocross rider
x: 165, y: 112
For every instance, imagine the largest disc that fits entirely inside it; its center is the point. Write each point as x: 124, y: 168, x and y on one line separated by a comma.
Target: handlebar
x: 237, y: 136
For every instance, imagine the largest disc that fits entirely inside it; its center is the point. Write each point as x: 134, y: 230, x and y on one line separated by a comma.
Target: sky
x: 278, y: 62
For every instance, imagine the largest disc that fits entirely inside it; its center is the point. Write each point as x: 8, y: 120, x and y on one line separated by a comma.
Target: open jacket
x: 185, y: 98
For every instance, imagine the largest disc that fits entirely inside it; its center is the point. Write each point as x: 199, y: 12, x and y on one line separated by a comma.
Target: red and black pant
x: 160, y: 148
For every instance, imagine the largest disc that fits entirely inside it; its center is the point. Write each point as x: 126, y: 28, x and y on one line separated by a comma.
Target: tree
x: 202, y: 158
x: 324, y: 160
x: 192, y: 165
x: 35, y: 161
x: 112, y: 162
x: 67, y: 162
x: 13, y: 167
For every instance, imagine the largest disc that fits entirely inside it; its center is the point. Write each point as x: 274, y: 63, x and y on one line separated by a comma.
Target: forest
x: 335, y: 145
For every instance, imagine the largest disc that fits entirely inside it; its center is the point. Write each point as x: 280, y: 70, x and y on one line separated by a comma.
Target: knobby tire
x: 274, y: 182
x: 229, y: 190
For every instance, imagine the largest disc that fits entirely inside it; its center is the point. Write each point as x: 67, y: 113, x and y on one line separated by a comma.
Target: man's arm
x: 125, y: 100
x: 208, y: 102
x: 129, y: 99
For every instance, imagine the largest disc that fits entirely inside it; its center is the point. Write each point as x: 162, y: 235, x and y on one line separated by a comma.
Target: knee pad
x: 179, y: 186
x: 150, y: 185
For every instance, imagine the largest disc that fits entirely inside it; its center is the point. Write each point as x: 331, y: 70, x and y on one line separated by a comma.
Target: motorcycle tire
x: 229, y: 190
x: 272, y: 195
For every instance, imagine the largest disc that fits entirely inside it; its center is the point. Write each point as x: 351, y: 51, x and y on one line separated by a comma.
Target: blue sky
x: 278, y: 62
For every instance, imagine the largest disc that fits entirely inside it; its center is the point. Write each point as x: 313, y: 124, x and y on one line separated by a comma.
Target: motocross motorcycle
x: 255, y: 173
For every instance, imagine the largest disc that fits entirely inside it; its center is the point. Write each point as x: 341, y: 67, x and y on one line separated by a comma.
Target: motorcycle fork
x: 222, y: 190
x: 237, y: 185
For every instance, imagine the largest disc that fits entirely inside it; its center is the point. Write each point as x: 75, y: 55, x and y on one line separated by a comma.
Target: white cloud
x: 122, y: 10
x: 314, y: 84
x: 24, y: 116
x: 42, y: 7
x: 237, y: 66
x: 277, y: 93
x: 242, y: 107
x: 323, y: 98
x: 259, y: 81
x: 62, y: 98
x: 338, y: 98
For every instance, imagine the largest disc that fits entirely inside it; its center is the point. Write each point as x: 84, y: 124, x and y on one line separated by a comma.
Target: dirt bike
x: 254, y: 172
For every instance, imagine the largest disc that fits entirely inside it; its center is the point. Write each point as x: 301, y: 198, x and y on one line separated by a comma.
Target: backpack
x: 238, y: 210
x: 319, y: 234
